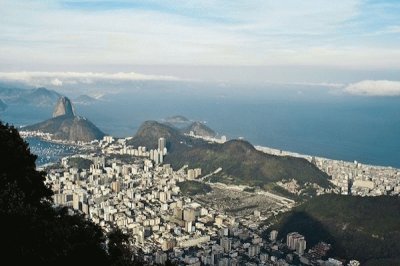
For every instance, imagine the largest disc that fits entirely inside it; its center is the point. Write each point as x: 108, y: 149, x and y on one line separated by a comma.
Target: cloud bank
x: 59, y: 79
x: 208, y: 32
x: 374, y: 88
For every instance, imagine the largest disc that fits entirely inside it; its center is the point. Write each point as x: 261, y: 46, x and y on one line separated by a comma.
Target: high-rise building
x: 226, y: 243
x: 188, y: 226
x: 273, y: 235
x: 301, y: 246
x: 116, y: 186
x: 297, y: 242
x: 162, y: 143
x: 75, y: 201
x: 161, y: 258
x: 156, y: 157
x: 163, y: 196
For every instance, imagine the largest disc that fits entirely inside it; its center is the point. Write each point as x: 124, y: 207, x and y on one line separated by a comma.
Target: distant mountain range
x: 362, y: 228
x: 21, y: 96
x: 85, y: 100
x: 66, y: 125
x: 241, y: 163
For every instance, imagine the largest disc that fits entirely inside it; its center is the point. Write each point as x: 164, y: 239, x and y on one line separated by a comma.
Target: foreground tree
x: 33, y: 231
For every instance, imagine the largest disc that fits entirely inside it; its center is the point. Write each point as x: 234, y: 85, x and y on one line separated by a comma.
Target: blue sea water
x: 49, y: 152
x: 308, y: 121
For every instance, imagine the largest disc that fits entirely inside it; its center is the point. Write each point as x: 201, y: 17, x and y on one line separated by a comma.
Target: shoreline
x: 268, y: 150
x: 278, y: 152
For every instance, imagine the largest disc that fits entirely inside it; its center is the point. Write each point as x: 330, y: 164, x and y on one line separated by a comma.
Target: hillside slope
x: 73, y: 128
x: 65, y: 125
x: 241, y: 163
x: 362, y: 228
x: 199, y: 129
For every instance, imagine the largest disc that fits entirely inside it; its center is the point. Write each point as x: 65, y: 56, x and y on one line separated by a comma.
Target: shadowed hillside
x: 362, y: 228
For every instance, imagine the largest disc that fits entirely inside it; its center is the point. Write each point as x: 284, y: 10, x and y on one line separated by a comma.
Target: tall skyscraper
x: 297, y: 242
x: 162, y: 143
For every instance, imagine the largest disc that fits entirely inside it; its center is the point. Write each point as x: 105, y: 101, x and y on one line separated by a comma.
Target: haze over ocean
x: 310, y: 121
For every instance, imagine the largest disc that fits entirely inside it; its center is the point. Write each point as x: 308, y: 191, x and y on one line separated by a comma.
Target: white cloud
x: 73, y: 78
x: 374, y: 88
x: 56, y: 82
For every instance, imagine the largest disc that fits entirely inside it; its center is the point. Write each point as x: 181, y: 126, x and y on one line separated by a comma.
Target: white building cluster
x: 111, y: 146
x: 353, y: 178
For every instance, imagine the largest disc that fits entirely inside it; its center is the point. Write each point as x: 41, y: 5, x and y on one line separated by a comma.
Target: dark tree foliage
x: 362, y: 228
x: 33, y: 231
x: 118, y: 248
x: 18, y: 167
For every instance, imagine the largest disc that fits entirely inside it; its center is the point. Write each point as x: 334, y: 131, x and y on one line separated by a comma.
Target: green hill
x: 73, y: 128
x: 199, y: 129
x: 362, y: 228
x: 241, y: 163
x: 66, y: 125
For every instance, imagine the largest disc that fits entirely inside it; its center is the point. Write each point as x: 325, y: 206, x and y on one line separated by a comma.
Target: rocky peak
x: 64, y: 107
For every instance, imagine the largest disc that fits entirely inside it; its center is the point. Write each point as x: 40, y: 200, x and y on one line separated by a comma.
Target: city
x: 132, y: 189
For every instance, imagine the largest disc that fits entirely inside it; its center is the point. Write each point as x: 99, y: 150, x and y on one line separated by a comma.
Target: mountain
x: 362, y: 228
x: 241, y: 163
x: 150, y: 131
x: 199, y: 129
x: 65, y: 125
x: 38, y: 97
x: 3, y: 106
x: 8, y: 92
x: 85, y: 100
x: 63, y: 108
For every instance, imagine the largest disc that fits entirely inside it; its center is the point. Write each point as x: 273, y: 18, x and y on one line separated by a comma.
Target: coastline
x: 268, y: 150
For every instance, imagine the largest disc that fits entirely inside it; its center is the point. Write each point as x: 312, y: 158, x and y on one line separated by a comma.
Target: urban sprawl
x: 140, y: 195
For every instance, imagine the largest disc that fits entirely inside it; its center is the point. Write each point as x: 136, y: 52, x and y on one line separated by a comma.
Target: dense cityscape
x: 130, y: 187
x: 220, y: 133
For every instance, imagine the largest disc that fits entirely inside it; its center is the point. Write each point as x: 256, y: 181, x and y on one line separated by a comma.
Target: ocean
x: 318, y: 122
x: 49, y: 152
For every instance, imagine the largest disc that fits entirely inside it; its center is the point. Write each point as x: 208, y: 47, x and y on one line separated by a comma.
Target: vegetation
x: 241, y: 163
x: 68, y: 128
x: 199, y: 129
x: 33, y: 231
x: 79, y: 162
x: 191, y: 188
x: 362, y: 228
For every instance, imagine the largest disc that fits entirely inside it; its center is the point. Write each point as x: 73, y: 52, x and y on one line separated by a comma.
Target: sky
x: 351, y: 42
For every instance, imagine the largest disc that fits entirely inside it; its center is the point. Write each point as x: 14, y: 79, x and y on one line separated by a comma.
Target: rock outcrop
x: 63, y: 108
x: 65, y: 125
